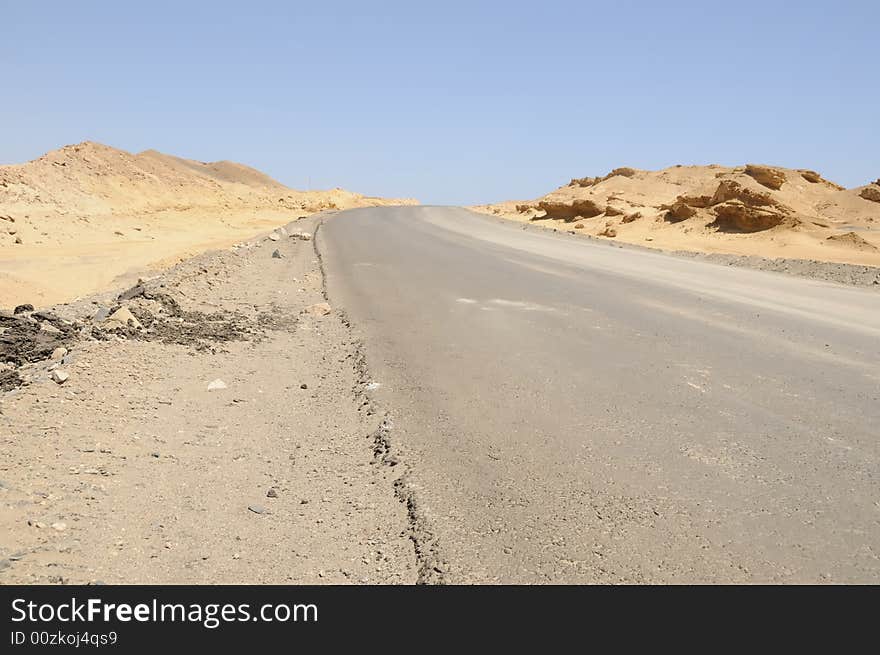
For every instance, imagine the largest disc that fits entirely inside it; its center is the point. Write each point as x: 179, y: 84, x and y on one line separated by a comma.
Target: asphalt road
x: 572, y: 411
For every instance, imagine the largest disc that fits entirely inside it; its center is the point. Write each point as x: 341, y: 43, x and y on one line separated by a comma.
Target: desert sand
x: 90, y: 217
x: 756, y: 210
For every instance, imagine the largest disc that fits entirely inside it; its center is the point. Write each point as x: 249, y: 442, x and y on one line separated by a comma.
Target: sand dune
x: 747, y: 210
x: 88, y: 216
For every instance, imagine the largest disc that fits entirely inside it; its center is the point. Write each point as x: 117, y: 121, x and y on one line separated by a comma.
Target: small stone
x: 60, y: 376
x: 272, y: 493
x: 304, y: 501
x: 276, y: 254
x: 257, y: 509
x: 217, y: 384
x: 60, y: 526
x: 136, y: 291
x: 274, y: 236
x: 302, y: 236
x: 21, y: 309
x: 318, y: 309
x: 122, y: 317
x: 59, y: 353
x: 303, y: 386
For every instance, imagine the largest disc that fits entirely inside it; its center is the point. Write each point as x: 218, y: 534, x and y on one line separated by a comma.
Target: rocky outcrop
x: 700, y: 202
x: 735, y: 216
x: 623, y: 171
x: 678, y: 211
x: 871, y: 192
x: 584, y: 181
x: 737, y: 208
x: 569, y: 211
x: 732, y: 190
x: 752, y: 208
x: 814, y: 178
x: 741, y: 209
x: 766, y: 176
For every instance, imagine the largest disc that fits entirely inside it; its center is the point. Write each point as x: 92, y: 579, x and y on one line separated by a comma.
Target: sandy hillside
x: 87, y: 217
x: 747, y: 210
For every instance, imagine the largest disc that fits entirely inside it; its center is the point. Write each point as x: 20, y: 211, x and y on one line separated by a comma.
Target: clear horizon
x: 460, y: 104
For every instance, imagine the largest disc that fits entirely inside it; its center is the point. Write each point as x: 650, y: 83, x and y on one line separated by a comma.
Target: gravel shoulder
x: 131, y: 470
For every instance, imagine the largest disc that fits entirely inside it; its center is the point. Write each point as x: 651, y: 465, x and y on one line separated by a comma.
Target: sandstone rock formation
x: 871, y: 192
x: 753, y: 209
x: 680, y: 210
x: 771, y: 178
x: 592, y: 181
x: 569, y: 211
x: 736, y: 216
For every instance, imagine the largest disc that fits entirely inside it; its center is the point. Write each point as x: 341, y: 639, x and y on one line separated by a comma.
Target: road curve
x: 577, y: 412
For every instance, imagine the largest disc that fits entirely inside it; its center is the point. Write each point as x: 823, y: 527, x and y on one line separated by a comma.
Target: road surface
x: 571, y: 411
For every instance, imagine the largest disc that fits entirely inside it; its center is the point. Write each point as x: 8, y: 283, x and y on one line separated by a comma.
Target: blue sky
x: 451, y: 102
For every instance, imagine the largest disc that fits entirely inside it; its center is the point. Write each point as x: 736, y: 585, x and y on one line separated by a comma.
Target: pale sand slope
x: 749, y: 210
x: 89, y: 217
